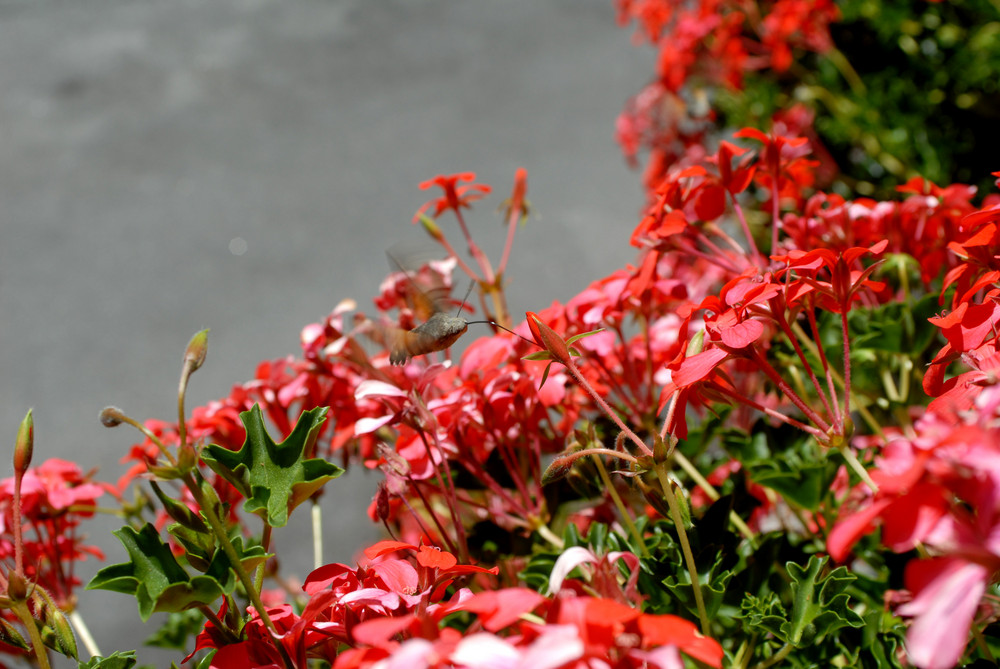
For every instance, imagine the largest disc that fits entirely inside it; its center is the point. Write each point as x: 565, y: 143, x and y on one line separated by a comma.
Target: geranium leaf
x: 119, y: 660
x: 274, y: 478
x: 820, y: 603
x: 154, y: 576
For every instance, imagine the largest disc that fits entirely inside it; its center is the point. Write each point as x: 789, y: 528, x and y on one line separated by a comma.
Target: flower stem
x: 317, y: 528
x: 616, y: 498
x: 20, y: 608
x: 702, y: 483
x: 85, y: 636
x: 692, y: 567
x: 575, y: 371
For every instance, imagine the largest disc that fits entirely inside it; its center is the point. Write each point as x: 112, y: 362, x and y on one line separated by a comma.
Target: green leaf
x: 154, y: 577
x: 274, y: 478
x: 118, y: 660
x: 180, y: 512
x: 576, y: 338
x: 820, y: 604
x: 786, y: 461
x: 176, y: 630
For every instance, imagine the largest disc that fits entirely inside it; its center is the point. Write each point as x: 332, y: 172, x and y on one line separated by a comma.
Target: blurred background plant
x: 885, y: 90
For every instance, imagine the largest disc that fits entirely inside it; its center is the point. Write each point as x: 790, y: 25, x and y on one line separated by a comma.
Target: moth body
x: 438, y: 333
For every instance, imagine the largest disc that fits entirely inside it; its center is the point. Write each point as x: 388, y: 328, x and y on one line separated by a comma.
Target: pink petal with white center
x: 570, y: 559
x: 369, y: 425
x: 372, y: 388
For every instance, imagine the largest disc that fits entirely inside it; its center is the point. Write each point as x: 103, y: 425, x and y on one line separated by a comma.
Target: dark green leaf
x: 274, y: 478
x: 155, y: 578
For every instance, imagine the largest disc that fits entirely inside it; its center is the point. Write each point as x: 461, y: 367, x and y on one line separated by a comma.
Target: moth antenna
x: 494, y: 323
x: 472, y: 285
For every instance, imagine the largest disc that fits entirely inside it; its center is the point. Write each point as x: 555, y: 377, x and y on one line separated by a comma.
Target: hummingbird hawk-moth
x: 437, y: 333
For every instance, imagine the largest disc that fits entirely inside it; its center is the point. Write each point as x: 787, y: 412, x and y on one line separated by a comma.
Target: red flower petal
x: 742, y: 334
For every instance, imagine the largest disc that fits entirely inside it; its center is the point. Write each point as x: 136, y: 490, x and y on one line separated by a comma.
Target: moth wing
x: 402, y: 344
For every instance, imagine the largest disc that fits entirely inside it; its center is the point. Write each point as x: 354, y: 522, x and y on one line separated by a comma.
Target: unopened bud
x: 25, y: 444
x: 557, y: 469
x: 394, y: 460
x: 62, y: 632
x: 431, y: 227
x: 696, y: 344
x: 382, y: 502
x: 197, y: 349
x: 17, y: 587
x: 10, y: 636
x: 112, y: 417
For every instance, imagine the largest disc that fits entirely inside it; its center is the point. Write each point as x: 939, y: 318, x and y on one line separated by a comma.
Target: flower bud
x: 17, y: 586
x: 112, y: 417
x: 557, y: 469
x: 197, y: 349
x: 431, y: 227
x: 10, y: 636
x: 25, y: 444
x: 382, y: 508
x: 62, y: 632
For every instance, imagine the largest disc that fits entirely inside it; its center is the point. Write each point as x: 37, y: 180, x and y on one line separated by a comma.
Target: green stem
x: 20, y: 609
x: 550, y: 536
x: 692, y: 567
x: 776, y: 658
x: 227, y: 546
x: 265, y: 542
x: 626, y: 518
x: 859, y: 469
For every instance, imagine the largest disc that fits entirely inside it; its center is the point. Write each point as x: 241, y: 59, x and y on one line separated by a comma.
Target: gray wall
x: 139, y: 138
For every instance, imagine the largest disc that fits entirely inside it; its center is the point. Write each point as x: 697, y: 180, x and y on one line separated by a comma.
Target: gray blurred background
x: 242, y: 165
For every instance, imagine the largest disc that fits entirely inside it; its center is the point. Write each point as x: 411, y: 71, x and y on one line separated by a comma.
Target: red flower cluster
x: 55, y: 497
x: 939, y: 488
x: 702, y: 44
x: 394, y: 608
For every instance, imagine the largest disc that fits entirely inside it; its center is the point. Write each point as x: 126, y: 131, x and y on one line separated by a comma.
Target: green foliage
x: 176, y: 629
x: 785, y: 460
x: 119, y: 660
x: 274, y: 478
x: 159, y: 582
x: 912, y: 90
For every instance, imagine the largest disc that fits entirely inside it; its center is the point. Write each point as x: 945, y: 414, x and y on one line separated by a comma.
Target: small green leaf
x: 118, y: 660
x: 274, y: 478
x: 154, y: 576
x: 576, y: 338
x: 180, y: 512
x: 820, y: 604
